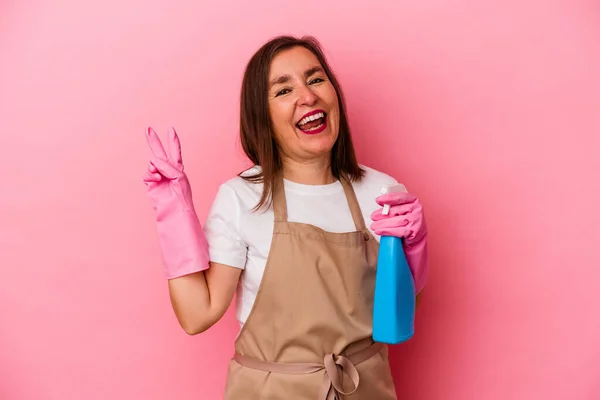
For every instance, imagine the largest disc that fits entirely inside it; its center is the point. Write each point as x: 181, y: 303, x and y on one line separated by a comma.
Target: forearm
x: 200, y: 299
x: 417, y: 258
x: 190, y: 299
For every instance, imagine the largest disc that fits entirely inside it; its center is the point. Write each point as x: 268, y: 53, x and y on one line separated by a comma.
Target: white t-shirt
x: 240, y: 237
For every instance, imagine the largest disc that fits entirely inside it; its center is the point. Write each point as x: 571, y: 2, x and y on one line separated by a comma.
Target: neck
x: 308, y: 172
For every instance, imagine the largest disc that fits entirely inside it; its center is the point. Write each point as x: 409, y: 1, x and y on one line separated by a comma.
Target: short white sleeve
x: 222, y: 230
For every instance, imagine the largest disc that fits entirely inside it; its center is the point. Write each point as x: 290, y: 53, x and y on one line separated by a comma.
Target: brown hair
x: 256, y: 132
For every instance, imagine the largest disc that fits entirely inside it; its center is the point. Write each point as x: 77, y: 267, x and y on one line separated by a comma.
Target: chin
x: 320, y: 145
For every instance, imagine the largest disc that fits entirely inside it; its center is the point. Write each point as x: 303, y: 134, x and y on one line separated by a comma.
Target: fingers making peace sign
x: 167, y: 164
x: 165, y: 178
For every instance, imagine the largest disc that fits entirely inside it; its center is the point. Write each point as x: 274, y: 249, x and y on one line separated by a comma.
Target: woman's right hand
x: 183, y: 244
x: 200, y: 295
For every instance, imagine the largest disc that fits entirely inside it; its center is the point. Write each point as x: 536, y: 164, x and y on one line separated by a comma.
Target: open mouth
x: 313, y: 122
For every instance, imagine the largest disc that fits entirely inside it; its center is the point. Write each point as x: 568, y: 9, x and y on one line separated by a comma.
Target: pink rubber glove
x: 405, y: 220
x: 181, y: 238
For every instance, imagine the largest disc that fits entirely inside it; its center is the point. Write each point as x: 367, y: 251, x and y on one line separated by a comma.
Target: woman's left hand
x: 405, y: 219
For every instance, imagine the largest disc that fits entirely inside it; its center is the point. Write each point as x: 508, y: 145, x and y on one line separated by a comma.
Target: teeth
x: 315, y: 128
x: 311, y: 118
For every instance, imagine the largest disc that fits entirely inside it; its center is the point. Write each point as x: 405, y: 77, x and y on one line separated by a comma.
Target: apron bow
x: 335, y: 367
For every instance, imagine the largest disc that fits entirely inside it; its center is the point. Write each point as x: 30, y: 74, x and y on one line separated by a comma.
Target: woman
x: 290, y: 235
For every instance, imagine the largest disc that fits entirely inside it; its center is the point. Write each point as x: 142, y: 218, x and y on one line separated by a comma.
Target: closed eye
x: 282, y: 92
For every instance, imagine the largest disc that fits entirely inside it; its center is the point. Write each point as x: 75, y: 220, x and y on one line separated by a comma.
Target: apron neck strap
x: 280, y: 204
x: 359, y: 221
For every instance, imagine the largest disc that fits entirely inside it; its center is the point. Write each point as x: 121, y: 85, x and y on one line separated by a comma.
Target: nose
x: 306, y: 96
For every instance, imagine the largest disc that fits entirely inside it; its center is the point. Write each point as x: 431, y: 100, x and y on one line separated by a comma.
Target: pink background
x: 488, y: 110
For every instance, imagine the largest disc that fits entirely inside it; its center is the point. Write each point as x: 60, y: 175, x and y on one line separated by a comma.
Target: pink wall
x: 494, y: 110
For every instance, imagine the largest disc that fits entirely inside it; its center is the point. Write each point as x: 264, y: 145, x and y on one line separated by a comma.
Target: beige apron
x: 308, y: 335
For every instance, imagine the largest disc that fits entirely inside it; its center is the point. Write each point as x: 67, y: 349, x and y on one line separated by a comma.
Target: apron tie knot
x: 335, y: 367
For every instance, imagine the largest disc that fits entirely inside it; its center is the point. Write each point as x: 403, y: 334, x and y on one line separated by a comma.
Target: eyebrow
x: 286, y: 78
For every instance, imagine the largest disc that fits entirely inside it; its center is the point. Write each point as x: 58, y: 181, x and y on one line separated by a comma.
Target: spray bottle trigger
x: 391, y: 189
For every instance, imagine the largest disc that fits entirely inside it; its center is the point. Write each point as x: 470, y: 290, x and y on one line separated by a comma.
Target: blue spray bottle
x: 394, y: 303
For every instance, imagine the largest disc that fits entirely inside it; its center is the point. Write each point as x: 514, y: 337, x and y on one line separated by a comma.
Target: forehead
x: 294, y: 61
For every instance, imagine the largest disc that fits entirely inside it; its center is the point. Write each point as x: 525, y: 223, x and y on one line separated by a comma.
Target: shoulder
x: 240, y: 191
x: 242, y: 186
x: 369, y: 188
x: 374, y: 179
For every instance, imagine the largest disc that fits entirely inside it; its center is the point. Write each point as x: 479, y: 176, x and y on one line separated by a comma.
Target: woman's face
x: 303, y: 105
